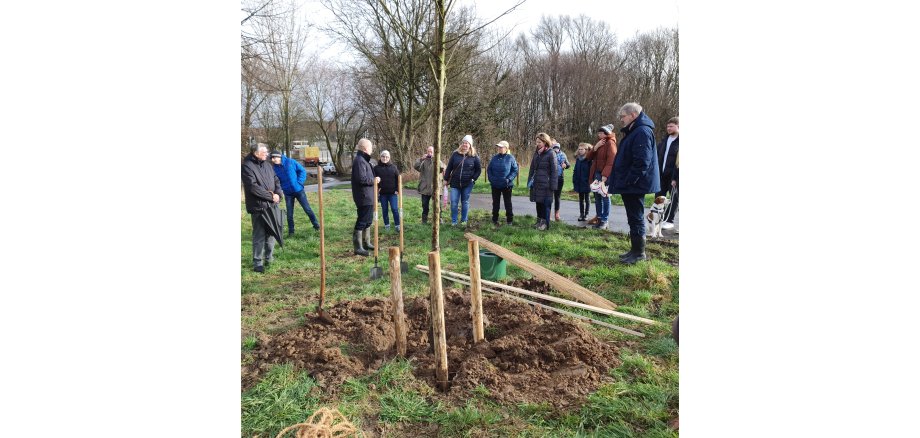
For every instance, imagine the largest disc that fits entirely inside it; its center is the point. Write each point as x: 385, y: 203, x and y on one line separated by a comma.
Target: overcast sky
x: 625, y: 17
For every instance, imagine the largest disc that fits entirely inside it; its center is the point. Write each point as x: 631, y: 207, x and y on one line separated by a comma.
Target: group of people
x: 635, y: 167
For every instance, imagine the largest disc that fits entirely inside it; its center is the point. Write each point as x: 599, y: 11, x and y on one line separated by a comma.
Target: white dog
x: 656, y: 216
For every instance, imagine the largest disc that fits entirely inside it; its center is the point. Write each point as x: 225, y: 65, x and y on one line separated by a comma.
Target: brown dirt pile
x: 530, y: 355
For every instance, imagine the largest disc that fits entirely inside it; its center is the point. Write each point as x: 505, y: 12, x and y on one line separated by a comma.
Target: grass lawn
x: 640, y: 401
x: 520, y: 189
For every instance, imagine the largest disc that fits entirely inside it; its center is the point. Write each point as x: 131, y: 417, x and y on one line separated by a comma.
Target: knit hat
x: 276, y: 153
x: 502, y: 143
x: 382, y: 153
x: 467, y: 138
x: 606, y: 129
x: 556, y: 146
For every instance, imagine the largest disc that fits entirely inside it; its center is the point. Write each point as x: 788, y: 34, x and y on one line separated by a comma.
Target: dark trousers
x: 557, y: 193
x: 584, y: 204
x: 301, y: 197
x: 497, y: 195
x: 635, y: 210
x: 365, y: 217
x: 544, y: 206
x: 263, y: 243
x: 426, y: 200
x: 673, y: 196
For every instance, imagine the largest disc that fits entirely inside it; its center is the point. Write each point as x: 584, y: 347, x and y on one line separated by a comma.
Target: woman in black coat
x: 543, y: 179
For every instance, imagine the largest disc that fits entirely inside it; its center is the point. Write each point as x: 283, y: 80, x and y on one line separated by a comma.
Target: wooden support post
x: 476, y: 292
x: 562, y: 284
x: 438, y: 329
x: 322, y: 242
x: 399, y: 314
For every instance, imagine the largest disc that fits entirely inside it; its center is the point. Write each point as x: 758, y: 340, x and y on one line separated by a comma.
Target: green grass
x: 520, y: 187
x: 640, y: 401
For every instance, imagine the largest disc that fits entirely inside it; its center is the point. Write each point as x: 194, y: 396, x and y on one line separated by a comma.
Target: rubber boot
x: 356, y: 241
x: 367, y: 239
x: 639, y: 254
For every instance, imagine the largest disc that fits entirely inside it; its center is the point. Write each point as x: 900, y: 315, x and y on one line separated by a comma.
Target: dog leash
x: 667, y: 210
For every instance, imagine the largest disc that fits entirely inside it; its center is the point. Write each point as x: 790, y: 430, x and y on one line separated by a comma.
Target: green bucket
x: 491, y: 266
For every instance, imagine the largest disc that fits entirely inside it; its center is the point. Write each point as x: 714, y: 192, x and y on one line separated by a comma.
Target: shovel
x: 376, y: 271
x: 403, y: 266
x: 322, y: 250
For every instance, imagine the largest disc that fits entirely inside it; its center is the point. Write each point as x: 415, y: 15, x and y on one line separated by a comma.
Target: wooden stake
x: 438, y: 329
x: 322, y: 242
x: 561, y: 283
x: 399, y: 314
x: 570, y: 303
x: 574, y: 315
x: 476, y: 292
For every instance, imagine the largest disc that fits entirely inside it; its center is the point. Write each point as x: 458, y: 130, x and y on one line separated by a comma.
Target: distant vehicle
x: 311, y: 156
x: 328, y: 168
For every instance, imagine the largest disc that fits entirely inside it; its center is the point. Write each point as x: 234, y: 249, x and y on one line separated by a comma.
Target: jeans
x: 425, y: 201
x: 497, y: 196
x: 460, y: 195
x: 365, y: 217
x: 584, y: 204
x: 263, y: 243
x: 602, y: 204
x: 544, y: 205
x: 301, y: 197
x: 393, y: 201
x: 635, y: 210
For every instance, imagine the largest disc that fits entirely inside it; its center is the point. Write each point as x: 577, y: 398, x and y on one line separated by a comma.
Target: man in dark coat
x: 262, y: 190
x: 635, y: 174
x: 667, y: 162
x: 362, y: 192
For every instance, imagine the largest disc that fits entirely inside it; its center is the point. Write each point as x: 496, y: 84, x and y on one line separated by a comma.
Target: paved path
x: 568, y: 211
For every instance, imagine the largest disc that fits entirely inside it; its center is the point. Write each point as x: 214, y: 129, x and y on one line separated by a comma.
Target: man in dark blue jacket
x: 362, y: 192
x: 635, y: 174
x: 292, y: 176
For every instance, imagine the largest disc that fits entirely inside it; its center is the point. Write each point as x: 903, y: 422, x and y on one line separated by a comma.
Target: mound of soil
x: 529, y: 355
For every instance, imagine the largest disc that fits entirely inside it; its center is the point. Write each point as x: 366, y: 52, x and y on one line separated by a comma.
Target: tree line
x: 566, y: 77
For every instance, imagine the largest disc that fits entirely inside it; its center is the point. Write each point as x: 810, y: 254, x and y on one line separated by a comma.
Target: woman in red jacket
x: 601, y: 156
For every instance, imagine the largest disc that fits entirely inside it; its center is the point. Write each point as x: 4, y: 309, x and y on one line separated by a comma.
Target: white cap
x: 467, y: 138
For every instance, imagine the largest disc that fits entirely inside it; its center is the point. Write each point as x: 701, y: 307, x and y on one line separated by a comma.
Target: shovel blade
x: 376, y: 272
x: 403, y: 267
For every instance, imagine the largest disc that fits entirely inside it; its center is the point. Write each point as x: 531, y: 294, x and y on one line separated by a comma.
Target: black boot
x: 425, y: 219
x: 639, y: 254
x: 367, y: 239
x: 356, y: 241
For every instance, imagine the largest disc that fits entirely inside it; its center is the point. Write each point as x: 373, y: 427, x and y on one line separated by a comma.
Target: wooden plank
x: 438, y: 330
x: 574, y: 315
x: 562, y: 284
x: 558, y: 300
x: 399, y: 314
x: 475, y: 292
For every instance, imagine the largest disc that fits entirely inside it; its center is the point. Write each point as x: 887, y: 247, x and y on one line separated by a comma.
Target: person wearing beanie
x: 389, y: 181
x: 602, y: 156
x: 563, y: 161
x: 293, y: 176
x: 635, y: 174
x: 463, y: 169
x: 502, y: 170
x: 543, y: 179
x: 262, y: 191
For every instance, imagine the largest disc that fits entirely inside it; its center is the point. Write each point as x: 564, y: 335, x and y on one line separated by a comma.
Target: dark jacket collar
x: 364, y: 155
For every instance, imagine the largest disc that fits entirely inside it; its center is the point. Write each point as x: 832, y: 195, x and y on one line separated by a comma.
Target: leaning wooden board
x: 562, y: 284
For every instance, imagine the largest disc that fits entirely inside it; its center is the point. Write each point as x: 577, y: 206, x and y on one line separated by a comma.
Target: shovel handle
x: 376, y: 222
